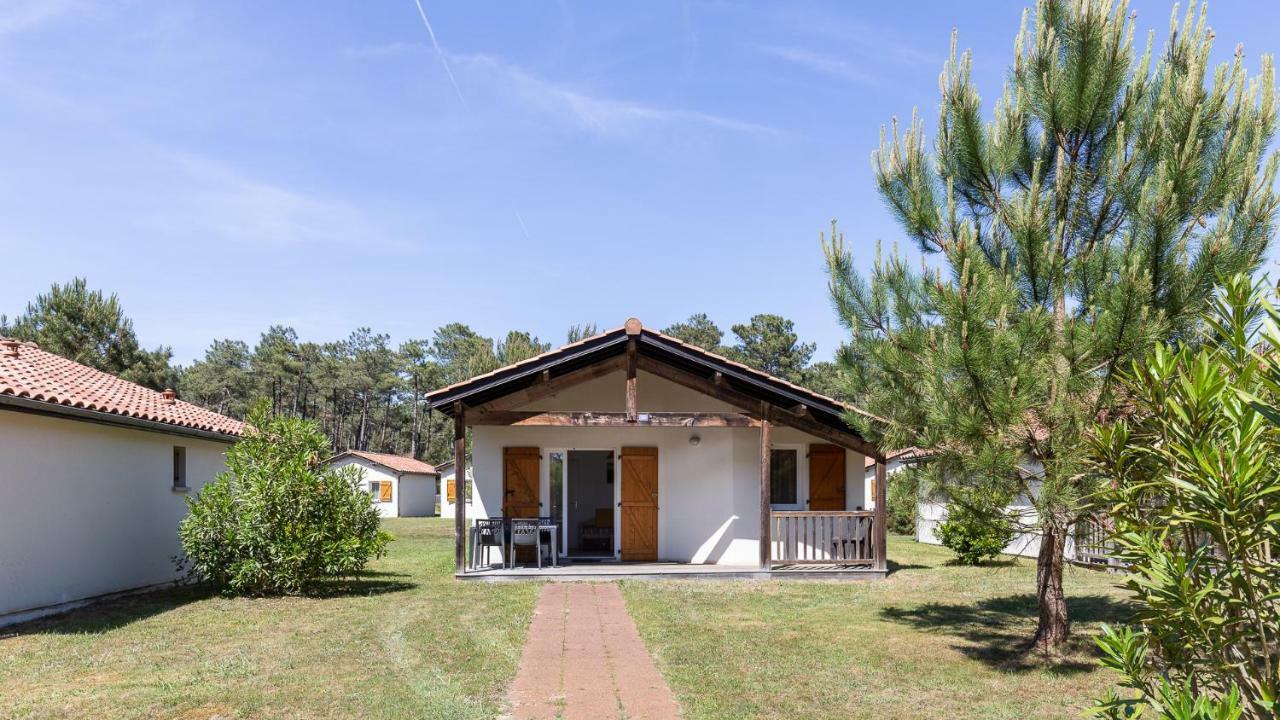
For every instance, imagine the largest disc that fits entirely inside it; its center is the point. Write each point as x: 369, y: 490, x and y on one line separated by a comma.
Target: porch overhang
x: 632, y: 347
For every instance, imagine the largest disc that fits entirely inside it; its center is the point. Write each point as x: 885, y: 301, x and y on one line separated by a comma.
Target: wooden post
x: 766, y: 513
x: 459, y: 488
x: 633, y: 412
x: 880, y: 525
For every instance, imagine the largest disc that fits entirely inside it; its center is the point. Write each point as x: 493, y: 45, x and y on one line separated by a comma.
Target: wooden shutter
x: 451, y: 491
x: 826, y: 477
x: 384, y: 491
x: 639, y: 503
x: 521, y: 481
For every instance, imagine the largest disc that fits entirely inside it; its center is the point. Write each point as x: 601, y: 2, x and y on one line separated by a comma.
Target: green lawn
x: 932, y: 641
x: 408, y: 642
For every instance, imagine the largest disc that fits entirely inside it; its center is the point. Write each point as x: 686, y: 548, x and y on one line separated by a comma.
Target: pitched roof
x: 904, y: 455
x: 649, y: 343
x: 44, y: 382
x: 398, y: 463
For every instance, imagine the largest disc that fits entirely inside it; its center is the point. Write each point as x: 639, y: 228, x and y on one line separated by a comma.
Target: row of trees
x: 364, y: 391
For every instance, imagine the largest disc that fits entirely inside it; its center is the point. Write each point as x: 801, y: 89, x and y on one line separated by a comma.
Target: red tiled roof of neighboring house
x: 28, y: 372
x: 399, y: 463
x: 902, y: 454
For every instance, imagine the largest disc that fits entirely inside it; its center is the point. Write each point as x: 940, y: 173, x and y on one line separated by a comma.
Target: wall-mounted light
x: 694, y: 440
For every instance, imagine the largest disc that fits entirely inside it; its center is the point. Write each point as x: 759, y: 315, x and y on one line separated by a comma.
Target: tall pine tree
x: 1090, y: 218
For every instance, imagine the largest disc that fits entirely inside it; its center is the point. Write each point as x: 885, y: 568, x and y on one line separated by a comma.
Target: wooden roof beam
x: 610, y: 419
x: 805, y: 423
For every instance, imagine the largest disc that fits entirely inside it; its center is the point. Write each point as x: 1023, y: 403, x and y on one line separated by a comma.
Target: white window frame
x: 375, y: 491
x: 802, y: 476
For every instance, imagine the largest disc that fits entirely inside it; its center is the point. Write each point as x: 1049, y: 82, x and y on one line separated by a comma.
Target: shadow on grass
x: 998, y: 630
x: 896, y: 566
x: 106, y: 615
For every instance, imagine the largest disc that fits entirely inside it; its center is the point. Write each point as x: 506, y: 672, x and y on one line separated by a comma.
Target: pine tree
x: 580, y: 332
x: 769, y: 343
x: 699, y: 330
x: 518, y: 346
x: 90, y: 328
x: 1088, y: 220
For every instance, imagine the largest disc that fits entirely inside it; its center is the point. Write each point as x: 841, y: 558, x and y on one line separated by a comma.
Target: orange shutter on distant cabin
x: 452, y: 491
x: 384, y: 492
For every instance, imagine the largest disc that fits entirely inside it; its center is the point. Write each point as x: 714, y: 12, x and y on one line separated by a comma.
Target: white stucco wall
x: 931, y: 512
x: 446, y: 507
x: 412, y: 494
x: 88, y: 509
x: 373, y: 472
x: 708, y: 495
x: 417, y: 495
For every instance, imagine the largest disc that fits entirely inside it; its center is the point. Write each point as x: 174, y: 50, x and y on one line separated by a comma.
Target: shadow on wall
x: 718, y: 544
x: 998, y: 630
x: 111, y: 614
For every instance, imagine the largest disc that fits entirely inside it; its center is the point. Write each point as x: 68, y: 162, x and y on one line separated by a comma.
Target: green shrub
x: 904, y: 496
x: 976, y: 530
x: 1194, y: 496
x: 279, y: 520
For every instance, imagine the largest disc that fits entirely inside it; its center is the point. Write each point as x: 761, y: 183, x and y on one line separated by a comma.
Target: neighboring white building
x: 448, y: 488
x: 932, y: 511
x: 400, y: 486
x: 94, y: 476
x: 639, y: 447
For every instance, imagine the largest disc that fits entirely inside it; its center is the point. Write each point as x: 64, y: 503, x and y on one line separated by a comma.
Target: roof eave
x: 445, y: 402
x: 40, y: 407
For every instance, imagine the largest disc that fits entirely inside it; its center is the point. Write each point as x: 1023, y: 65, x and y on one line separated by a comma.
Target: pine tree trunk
x: 416, y: 430
x: 1054, y: 624
x: 364, y: 424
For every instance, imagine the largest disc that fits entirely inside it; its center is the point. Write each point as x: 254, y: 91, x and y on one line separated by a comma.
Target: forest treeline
x: 364, y: 391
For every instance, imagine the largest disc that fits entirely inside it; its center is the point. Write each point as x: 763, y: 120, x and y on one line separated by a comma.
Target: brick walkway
x: 584, y: 660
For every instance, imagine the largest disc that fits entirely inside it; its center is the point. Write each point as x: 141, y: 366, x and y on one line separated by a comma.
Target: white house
x: 94, y: 476
x: 931, y: 511
x: 401, y: 486
x: 638, y: 448
x: 449, y: 488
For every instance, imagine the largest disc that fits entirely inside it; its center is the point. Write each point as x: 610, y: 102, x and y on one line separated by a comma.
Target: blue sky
x: 224, y: 166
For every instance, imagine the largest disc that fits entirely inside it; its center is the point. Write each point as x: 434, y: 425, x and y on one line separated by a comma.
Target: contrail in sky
x: 443, y: 60
x: 523, y: 229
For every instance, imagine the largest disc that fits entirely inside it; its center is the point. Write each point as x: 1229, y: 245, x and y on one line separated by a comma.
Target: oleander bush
x: 1193, y: 489
x: 279, y: 521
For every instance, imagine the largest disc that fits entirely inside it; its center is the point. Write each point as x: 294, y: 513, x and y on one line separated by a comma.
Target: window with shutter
x: 452, y: 491
x: 384, y: 492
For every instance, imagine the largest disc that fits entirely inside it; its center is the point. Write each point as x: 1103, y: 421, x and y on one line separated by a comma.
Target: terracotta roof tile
x: 903, y: 454
x: 399, y: 463
x: 26, y: 371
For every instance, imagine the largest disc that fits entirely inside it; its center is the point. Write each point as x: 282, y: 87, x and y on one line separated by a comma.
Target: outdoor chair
x: 488, y: 533
x: 527, y: 532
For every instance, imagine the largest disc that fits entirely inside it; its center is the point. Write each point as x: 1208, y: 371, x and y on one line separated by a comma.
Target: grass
x: 933, y: 640
x: 406, y: 641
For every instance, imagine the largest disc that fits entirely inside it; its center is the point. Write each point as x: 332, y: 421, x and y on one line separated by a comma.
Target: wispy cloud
x: 817, y: 62
x: 233, y: 206
x: 385, y: 50
x: 19, y: 15
x: 590, y: 112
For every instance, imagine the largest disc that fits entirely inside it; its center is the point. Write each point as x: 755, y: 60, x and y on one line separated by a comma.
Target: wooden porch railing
x: 822, y: 537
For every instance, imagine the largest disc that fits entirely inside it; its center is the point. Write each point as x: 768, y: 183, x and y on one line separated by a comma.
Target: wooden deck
x: 605, y: 571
